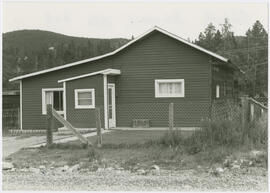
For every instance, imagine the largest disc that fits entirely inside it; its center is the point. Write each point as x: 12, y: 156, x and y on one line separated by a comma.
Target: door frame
x: 112, y: 122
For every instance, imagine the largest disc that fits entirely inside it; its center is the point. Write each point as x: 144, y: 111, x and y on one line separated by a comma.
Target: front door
x: 111, y: 105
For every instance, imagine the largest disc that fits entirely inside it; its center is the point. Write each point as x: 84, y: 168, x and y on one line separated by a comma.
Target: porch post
x: 105, y: 83
x: 65, y: 100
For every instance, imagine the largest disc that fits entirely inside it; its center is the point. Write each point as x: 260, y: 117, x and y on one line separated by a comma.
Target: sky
x: 124, y: 19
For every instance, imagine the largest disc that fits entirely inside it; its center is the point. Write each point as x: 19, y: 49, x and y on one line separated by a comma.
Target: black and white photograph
x: 134, y: 95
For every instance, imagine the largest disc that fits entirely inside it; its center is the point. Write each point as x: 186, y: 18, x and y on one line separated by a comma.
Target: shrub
x: 258, y: 131
x: 171, y: 138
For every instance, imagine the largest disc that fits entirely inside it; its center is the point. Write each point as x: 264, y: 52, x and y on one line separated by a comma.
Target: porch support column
x: 105, y: 86
x: 65, y: 100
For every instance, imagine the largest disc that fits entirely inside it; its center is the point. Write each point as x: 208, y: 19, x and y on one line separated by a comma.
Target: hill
x: 27, y: 51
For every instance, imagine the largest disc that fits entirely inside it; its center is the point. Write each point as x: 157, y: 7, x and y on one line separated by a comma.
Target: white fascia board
x: 118, y: 50
x: 107, y: 72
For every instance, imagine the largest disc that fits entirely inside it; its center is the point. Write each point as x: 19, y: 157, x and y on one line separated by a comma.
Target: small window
x: 169, y: 88
x: 53, y: 96
x: 217, y: 91
x: 84, y: 98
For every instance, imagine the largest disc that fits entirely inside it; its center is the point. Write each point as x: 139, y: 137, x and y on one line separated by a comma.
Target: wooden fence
x: 11, y: 119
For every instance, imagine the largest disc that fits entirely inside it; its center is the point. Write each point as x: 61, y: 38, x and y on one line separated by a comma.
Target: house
x: 136, y: 81
x: 11, y: 99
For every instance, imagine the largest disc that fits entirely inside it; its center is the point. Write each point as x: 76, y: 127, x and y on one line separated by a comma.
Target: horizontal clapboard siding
x: 156, y: 56
x: 160, y: 57
x: 32, y: 100
x: 84, y: 118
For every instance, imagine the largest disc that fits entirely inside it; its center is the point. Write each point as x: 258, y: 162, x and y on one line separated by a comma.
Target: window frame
x: 217, y: 91
x: 77, y: 106
x: 44, y: 108
x: 158, y: 95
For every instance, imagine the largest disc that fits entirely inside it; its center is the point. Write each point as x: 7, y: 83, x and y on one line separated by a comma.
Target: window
x: 53, y: 96
x: 169, y: 88
x: 217, y: 91
x: 84, y: 98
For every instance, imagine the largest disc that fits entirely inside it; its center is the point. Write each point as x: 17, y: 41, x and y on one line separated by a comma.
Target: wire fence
x: 11, y: 119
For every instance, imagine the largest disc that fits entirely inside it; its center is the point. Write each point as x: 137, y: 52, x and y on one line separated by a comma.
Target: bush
x: 258, y: 131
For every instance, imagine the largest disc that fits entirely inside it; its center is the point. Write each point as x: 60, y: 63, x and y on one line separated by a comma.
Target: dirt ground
x: 255, y: 179
x: 125, y: 163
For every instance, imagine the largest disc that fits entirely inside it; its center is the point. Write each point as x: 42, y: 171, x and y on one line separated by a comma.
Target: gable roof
x: 121, y: 48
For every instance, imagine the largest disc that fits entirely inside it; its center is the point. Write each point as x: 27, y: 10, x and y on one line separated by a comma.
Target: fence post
x: 98, y: 125
x: 171, y: 115
x: 244, y: 107
x: 50, y: 125
x: 19, y: 118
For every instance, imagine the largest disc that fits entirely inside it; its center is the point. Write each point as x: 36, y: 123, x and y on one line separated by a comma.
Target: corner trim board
x: 21, y: 105
x: 105, y: 87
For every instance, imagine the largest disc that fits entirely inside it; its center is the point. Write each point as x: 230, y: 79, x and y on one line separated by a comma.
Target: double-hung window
x: 53, y: 96
x: 84, y: 98
x: 169, y: 88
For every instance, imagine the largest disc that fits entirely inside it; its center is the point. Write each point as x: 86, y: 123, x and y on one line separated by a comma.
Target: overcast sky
x: 111, y: 19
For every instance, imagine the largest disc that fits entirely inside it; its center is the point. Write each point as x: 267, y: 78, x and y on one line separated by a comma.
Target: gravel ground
x: 253, y: 179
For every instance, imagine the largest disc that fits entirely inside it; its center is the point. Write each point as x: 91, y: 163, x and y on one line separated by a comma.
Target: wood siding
x: 85, y: 118
x: 157, y: 56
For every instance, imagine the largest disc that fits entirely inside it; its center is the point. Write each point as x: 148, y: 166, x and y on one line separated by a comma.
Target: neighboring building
x: 136, y: 81
x: 11, y: 99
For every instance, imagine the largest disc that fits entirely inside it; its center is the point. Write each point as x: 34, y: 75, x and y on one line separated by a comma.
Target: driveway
x: 14, y: 144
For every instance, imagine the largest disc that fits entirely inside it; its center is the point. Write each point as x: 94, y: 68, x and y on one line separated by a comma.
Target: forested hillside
x: 27, y: 51
x: 249, y: 52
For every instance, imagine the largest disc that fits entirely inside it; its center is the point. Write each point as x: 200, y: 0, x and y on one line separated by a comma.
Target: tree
x: 206, y: 39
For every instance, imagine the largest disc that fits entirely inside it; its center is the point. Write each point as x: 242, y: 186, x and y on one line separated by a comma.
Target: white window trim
x: 77, y: 106
x: 217, y: 91
x: 44, y: 108
x: 158, y: 95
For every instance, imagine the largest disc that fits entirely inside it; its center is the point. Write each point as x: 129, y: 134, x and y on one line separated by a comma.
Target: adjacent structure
x: 136, y: 81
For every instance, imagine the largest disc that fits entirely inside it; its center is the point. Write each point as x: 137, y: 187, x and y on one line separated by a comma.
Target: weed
x: 93, y: 154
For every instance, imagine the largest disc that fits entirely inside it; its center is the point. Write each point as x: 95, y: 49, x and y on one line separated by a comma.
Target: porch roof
x: 108, y: 71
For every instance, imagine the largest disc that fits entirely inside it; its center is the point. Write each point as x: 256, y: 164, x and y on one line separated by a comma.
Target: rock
x: 7, y: 165
x: 34, y: 170
x: 42, y: 167
x: 235, y: 166
x: 65, y: 168
x: 141, y: 172
x: 60, y: 163
x: 155, y: 170
x: 8, y: 158
x: 62, y: 169
x: 24, y: 170
x: 109, y: 168
x: 13, y: 170
x: 220, y: 170
x: 100, y: 169
x: 256, y: 153
x: 74, y: 168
